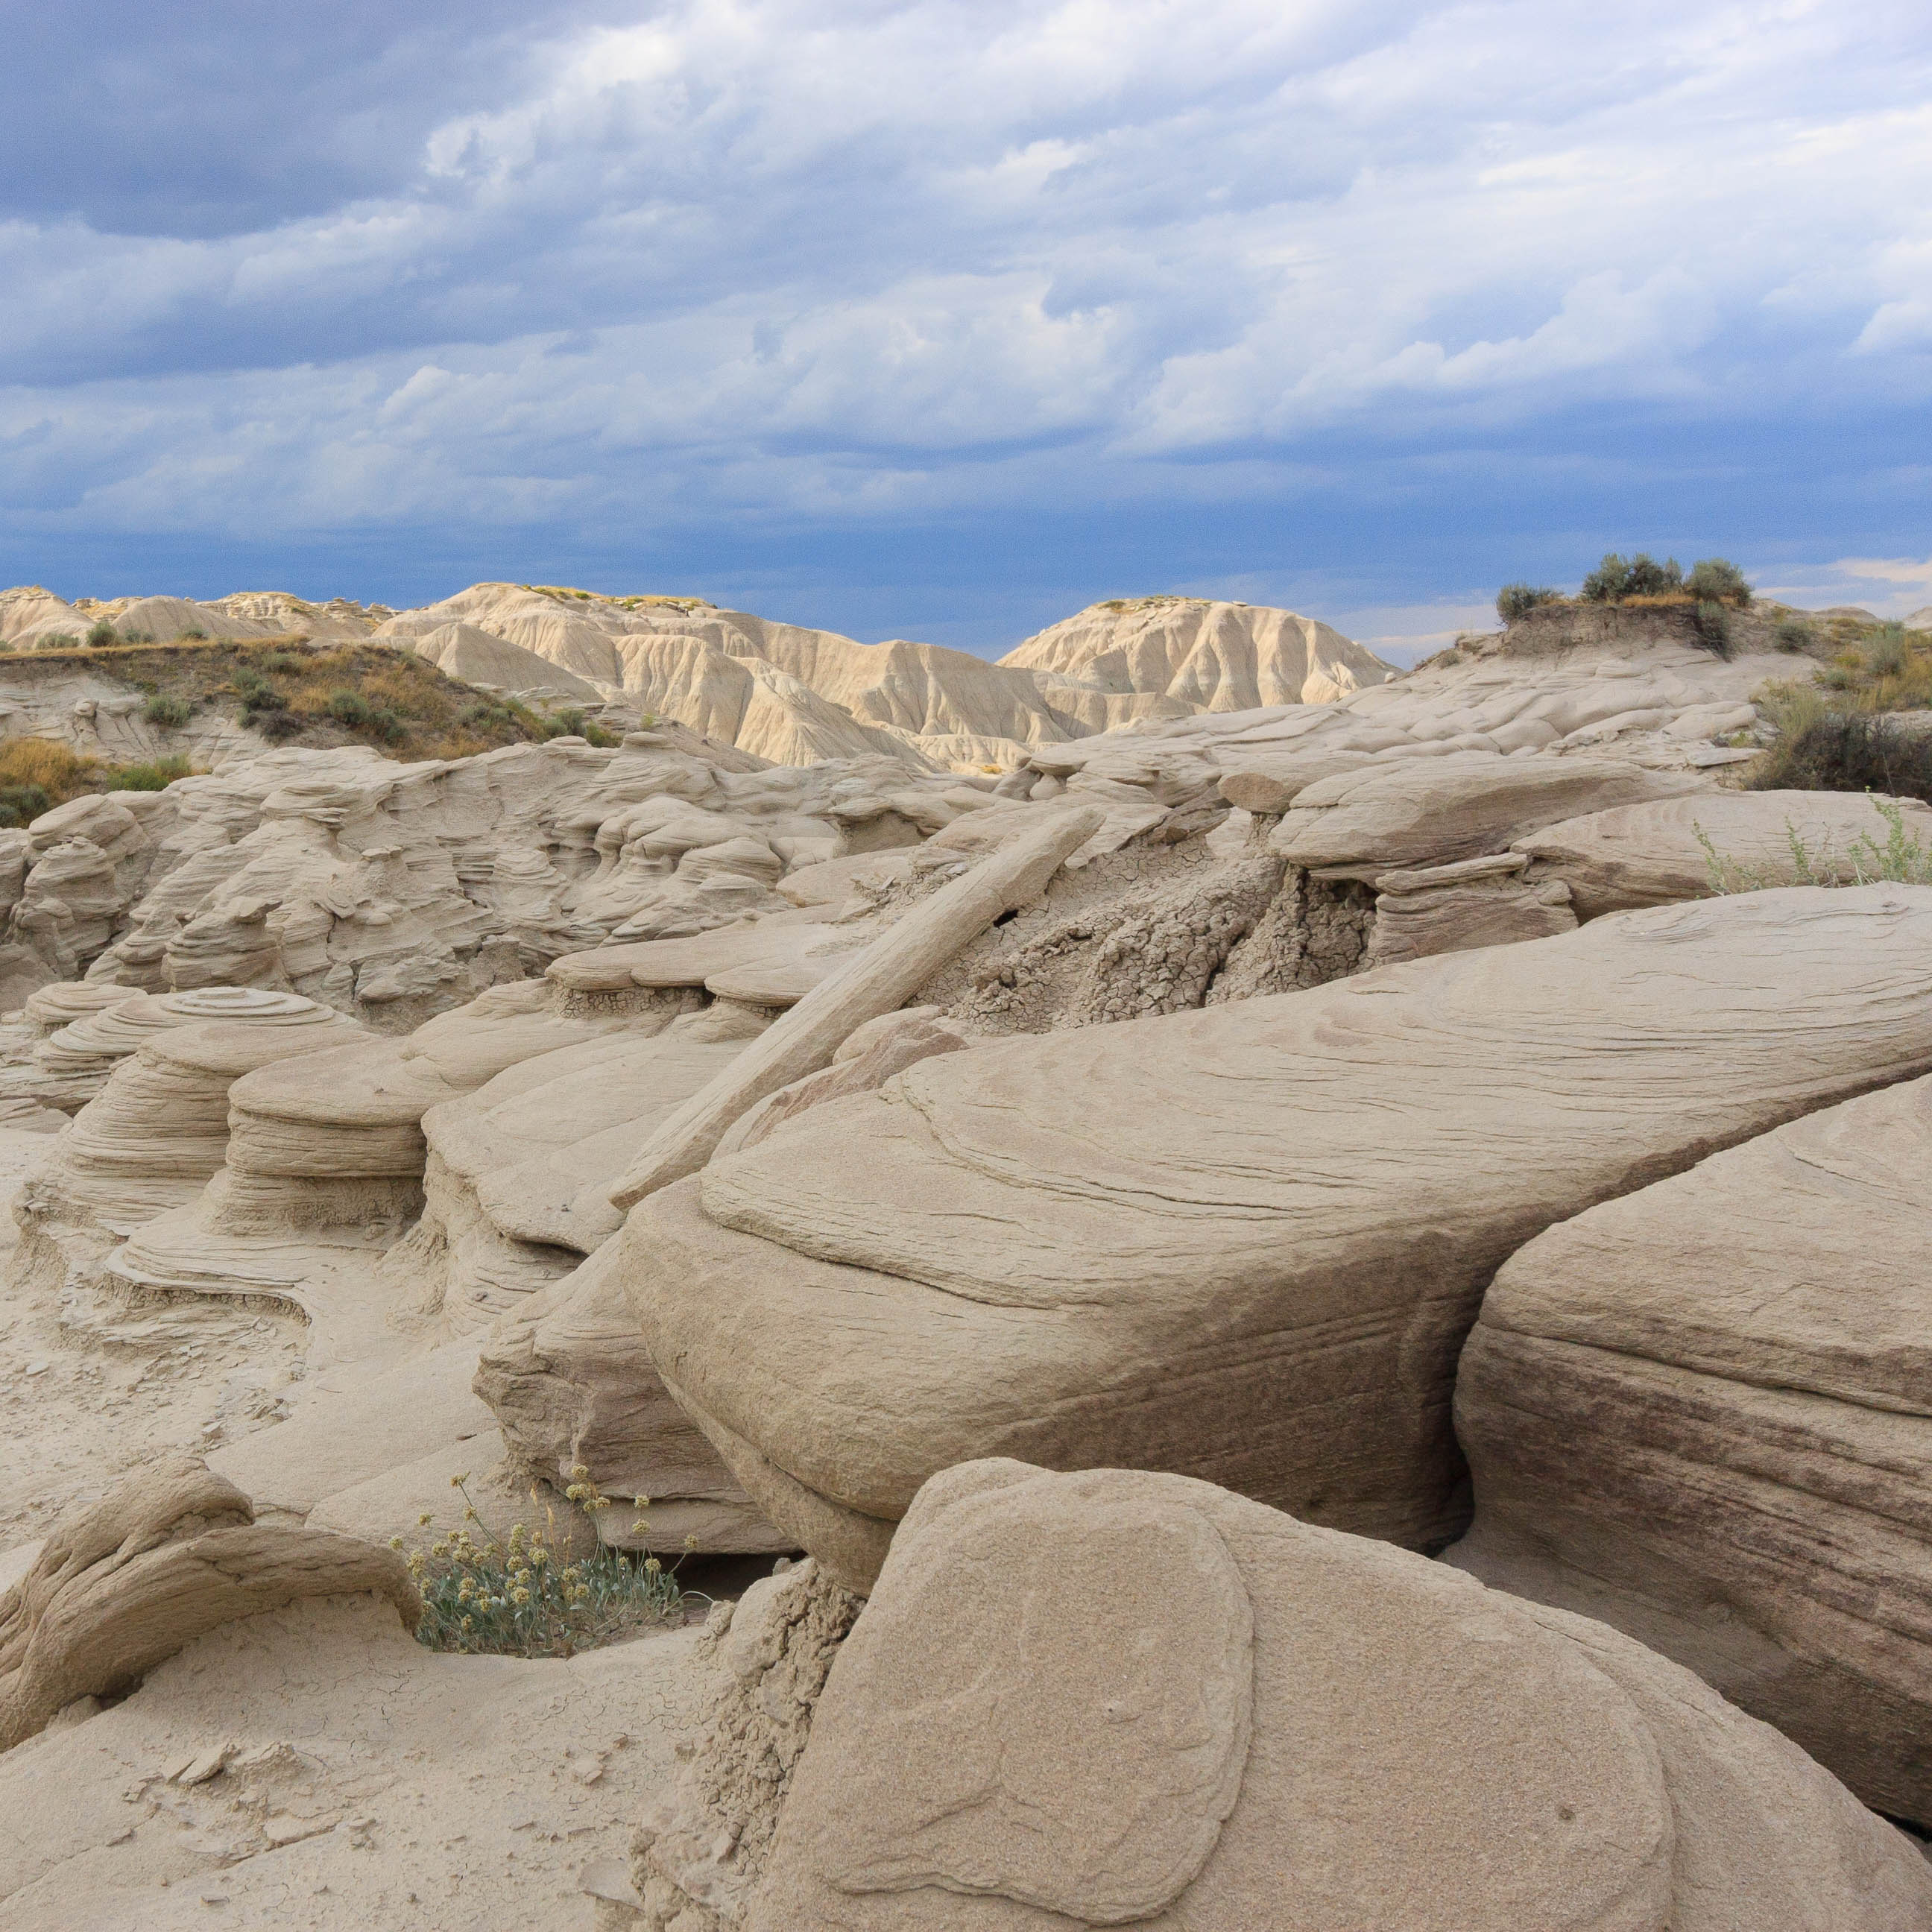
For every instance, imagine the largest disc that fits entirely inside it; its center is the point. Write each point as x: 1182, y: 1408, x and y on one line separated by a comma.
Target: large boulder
x: 1703, y: 1412
x: 1122, y: 1698
x: 1244, y: 1243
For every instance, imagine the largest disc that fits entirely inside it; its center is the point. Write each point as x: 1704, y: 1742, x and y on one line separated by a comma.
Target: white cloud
x: 1889, y: 587
x: 858, y: 257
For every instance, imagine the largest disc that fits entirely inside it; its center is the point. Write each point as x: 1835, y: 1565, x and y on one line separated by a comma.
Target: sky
x: 943, y: 318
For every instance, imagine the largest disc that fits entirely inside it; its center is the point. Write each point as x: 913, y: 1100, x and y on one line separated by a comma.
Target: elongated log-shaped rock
x: 882, y: 978
x: 1246, y: 1243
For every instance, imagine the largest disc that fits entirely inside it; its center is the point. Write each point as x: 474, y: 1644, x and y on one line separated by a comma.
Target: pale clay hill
x: 790, y: 694
x: 1265, y: 1253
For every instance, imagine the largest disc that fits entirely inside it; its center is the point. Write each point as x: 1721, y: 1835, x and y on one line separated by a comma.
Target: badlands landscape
x: 1182, y: 1281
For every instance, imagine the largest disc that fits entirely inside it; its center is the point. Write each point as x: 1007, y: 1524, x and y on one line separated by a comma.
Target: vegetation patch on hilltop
x: 296, y: 693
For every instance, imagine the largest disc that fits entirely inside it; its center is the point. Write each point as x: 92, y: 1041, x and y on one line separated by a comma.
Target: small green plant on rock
x: 523, y: 1596
x: 1903, y: 860
x: 172, y: 712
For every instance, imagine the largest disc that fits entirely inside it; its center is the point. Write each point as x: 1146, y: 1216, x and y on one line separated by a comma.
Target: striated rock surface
x: 1246, y: 1242
x: 569, y: 1381
x: 1124, y: 1698
x: 1166, y: 657
x: 1703, y: 1412
x: 1683, y: 848
x: 1485, y: 901
x: 166, y: 1555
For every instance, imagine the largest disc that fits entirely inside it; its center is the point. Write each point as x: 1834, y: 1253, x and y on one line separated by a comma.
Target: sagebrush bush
x: 1617, y: 577
x: 20, y: 805
x: 1718, y: 581
x: 523, y: 1596
x: 1515, y: 601
x: 347, y: 707
x: 172, y: 712
x: 1712, y: 624
x: 100, y: 631
x: 1792, y: 634
x: 1848, y: 751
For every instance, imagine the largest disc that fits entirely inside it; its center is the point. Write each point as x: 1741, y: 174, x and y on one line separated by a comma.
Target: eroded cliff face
x: 784, y: 692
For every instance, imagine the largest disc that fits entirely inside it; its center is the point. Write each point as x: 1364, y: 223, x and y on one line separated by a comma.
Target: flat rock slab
x: 1683, y: 848
x: 1246, y: 1242
x: 1119, y: 1697
x: 1704, y: 1412
x: 1429, y: 811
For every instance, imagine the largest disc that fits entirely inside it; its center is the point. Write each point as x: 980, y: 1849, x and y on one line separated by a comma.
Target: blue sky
x: 942, y: 318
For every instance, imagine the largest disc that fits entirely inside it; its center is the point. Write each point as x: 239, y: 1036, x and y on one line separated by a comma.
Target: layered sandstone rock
x: 166, y: 1555
x: 1121, y: 1697
x: 1703, y: 1412
x: 1166, y: 657
x: 572, y: 1387
x: 1246, y: 1242
x: 1682, y: 848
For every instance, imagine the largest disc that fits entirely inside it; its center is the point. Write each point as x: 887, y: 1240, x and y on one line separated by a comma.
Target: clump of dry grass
x: 37, y: 774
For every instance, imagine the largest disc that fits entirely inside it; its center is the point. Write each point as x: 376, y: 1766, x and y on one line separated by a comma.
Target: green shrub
x: 283, y: 663
x: 1617, y: 577
x: 385, y: 724
x: 100, y: 632
x: 199, y: 637
x: 22, y: 804
x: 348, y: 707
x: 1712, y: 623
x: 1848, y: 751
x: 604, y: 740
x: 1885, y: 650
x: 566, y: 724
x: 60, y: 640
x: 155, y: 775
x: 173, y: 712
x: 523, y: 1597
x: 1792, y: 634
x: 1718, y: 581
x: 275, y: 725
x: 1902, y: 860
x: 257, y: 693
x: 1516, y: 601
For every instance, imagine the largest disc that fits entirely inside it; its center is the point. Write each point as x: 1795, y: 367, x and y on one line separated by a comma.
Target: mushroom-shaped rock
x: 1703, y: 1412
x: 1430, y: 812
x: 1120, y: 1697
x: 166, y: 1555
x: 1246, y: 1242
x: 73, y: 1065
x: 148, y: 1142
